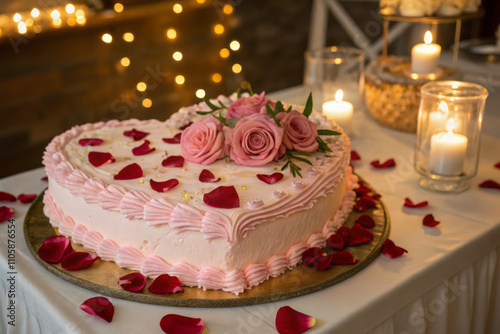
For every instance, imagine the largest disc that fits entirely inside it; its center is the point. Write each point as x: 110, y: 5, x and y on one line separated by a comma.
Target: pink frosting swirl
x: 203, y: 142
x: 246, y: 106
x: 254, y: 141
x: 299, y: 132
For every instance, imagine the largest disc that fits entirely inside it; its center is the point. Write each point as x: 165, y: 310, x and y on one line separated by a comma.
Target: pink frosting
x: 186, y: 218
x: 203, y: 142
x: 108, y: 250
x: 255, y: 273
x: 91, y: 190
x: 234, y: 282
x: 210, y: 278
x: 79, y: 233
x: 277, y: 265
x: 132, y: 204
x: 186, y: 273
x: 91, y: 241
x: 154, y: 266
x: 129, y: 257
x: 75, y: 181
x: 254, y: 141
x: 66, y: 225
x: 215, y: 225
x: 158, y: 211
x: 111, y: 197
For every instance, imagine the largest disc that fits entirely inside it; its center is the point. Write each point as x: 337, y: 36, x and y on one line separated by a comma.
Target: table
x: 449, y: 281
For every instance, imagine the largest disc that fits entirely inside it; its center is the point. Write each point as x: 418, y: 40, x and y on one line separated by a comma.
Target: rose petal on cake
x: 365, y: 221
x: 490, y: 184
x: 54, y: 249
x: 388, y: 164
x: 100, y: 307
x: 355, y: 156
x: 290, y: 321
x: 323, y: 262
x: 143, y: 148
x: 26, y: 198
x: 90, y: 141
x: 135, y: 134
x: 335, y: 242
x: 409, y: 204
x: 100, y: 158
x: 78, y: 260
x: 311, y: 254
x: 45, y: 178
x: 179, y: 324
x: 207, y: 176
x: 343, y: 231
x: 174, y: 140
x: 173, y: 161
x: 185, y: 126
x: 164, y: 186
x: 222, y: 197
x: 6, y: 197
x: 130, y: 172
x: 134, y: 282
x: 6, y: 213
x: 165, y: 284
x: 270, y: 179
x: 389, y: 249
x: 343, y: 257
x: 497, y: 165
x: 359, y: 235
x: 430, y: 221
x: 361, y: 191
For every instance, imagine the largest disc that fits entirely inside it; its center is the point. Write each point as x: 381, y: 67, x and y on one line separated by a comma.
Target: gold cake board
x: 102, y: 276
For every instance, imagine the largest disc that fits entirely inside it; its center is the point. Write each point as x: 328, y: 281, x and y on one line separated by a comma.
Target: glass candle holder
x: 334, y: 73
x: 448, y: 134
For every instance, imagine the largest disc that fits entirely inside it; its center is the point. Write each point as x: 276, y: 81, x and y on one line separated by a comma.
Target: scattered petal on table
x: 390, y: 249
x: 409, y: 204
x: 388, y: 164
x: 179, y: 324
x: 355, y: 156
x: 6, y: 213
x: 26, y: 198
x: 430, y: 221
x: 100, y: 307
x: 6, y: 197
x: 290, y: 321
x: 490, y: 184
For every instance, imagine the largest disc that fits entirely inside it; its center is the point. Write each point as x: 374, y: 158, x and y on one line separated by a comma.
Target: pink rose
x: 203, y: 142
x: 254, y: 141
x: 246, y: 106
x: 299, y: 132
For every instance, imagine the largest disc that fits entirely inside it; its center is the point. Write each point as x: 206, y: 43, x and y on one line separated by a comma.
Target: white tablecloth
x: 449, y: 281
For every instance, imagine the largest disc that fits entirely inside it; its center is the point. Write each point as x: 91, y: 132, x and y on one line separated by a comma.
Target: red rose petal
x: 489, y: 184
x: 290, y: 321
x: 355, y: 156
x: 6, y: 213
x: 323, y: 262
x: 311, y: 254
x: 130, y: 172
x: 365, y: 221
x: 164, y: 186
x: 135, y: 134
x: 343, y: 257
x: 165, y: 284
x: 45, y: 178
x: 222, y: 197
x: 410, y: 204
x: 134, y: 282
x: 497, y: 165
x: 78, y: 260
x: 100, y: 158
x: 6, y: 197
x: 389, y: 249
x: 365, y: 202
x: 361, y: 191
x: 179, y: 324
x: 430, y: 221
x: 54, y: 249
x: 90, y: 142
x: 270, y: 179
x: 335, y: 242
x: 143, y: 148
x: 173, y: 161
x: 207, y: 176
x: 184, y: 127
x: 26, y: 198
x: 376, y: 196
x: 359, y: 235
x: 343, y: 231
x: 388, y: 164
x: 100, y: 307
x: 174, y: 140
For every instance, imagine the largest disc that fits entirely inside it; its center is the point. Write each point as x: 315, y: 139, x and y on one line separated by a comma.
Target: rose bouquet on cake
x: 253, y: 131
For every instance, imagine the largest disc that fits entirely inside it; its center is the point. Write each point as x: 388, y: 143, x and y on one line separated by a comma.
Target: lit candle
x: 425, y: 56
x: 339, y: 111
x: 448, y: 152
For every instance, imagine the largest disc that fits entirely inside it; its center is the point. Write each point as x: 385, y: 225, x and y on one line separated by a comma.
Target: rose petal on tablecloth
x: 26, y: 198
x: 430, y: 221
x: 6, y: 197
x: 355, y: 156
x: 179, y: 324
x: 290, y: 321
x: 390, y: 249
x: 100, y: 307
x: 489, y: 184
x: 387, y: 164
x: 6, y: 213
x: 409, y: 204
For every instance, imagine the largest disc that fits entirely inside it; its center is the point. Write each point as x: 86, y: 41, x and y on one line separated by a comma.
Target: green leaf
x: 279, y: 107
x: 221, y: 118
x: 301, y: 159
x: 273, y: 116
x: 325, y: 132
x: 309, y: 106
x: 250, y: 90
x: 210, y: 104
x: 289, y: 109
x: 322, y: 146
x: 204, y: 112
x: 238, y: 92
x: 222, y: 106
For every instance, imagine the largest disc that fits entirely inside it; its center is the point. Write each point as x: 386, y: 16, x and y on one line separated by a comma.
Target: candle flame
x: 428, y: 37
x: 443, y: 107
x: 339, y: 95
x: 450, y: 125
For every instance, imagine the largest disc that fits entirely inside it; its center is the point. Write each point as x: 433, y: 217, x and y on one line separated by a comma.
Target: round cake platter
x: 102, y: 276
